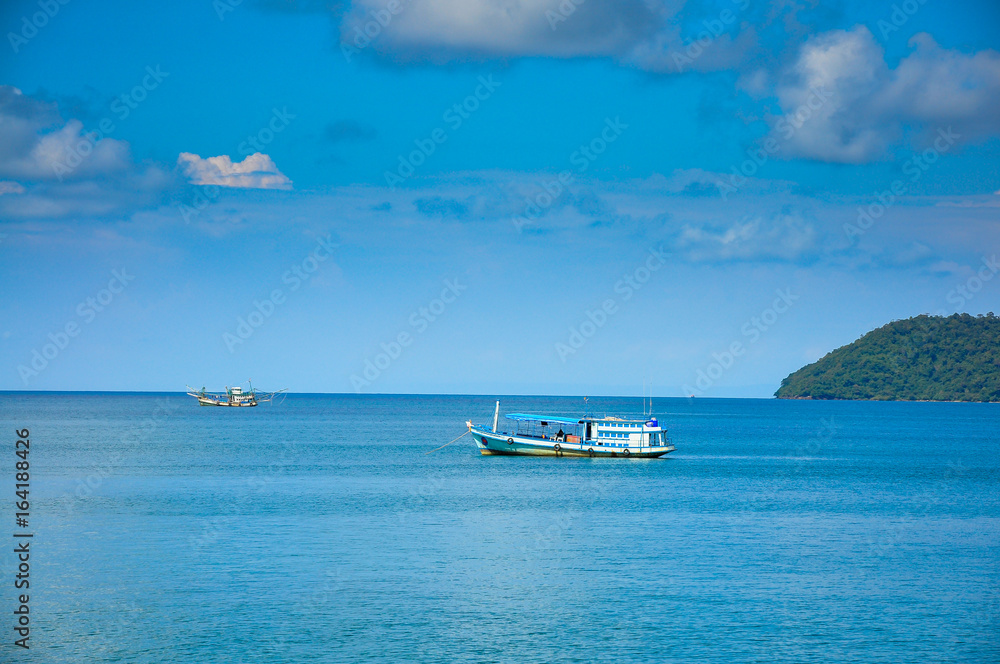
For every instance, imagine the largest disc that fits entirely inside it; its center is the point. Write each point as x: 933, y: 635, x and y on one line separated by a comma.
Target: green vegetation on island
x: 926, y: 358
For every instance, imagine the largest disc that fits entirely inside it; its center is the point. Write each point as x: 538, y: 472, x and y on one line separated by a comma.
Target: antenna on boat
x: 646, y: 415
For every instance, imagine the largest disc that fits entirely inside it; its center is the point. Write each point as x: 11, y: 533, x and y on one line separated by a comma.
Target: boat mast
x: 496, y: 416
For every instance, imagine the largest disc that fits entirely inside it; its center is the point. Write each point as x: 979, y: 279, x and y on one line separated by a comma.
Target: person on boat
x: 560, y: 435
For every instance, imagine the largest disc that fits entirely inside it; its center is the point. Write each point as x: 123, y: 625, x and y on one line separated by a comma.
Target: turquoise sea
x: 317, y: 529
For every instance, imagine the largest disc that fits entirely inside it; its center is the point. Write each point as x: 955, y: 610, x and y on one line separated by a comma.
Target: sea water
x: 319, y: 529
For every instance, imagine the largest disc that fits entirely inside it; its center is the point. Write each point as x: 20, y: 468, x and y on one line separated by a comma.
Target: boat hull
x: 490, y: 443
x: 213, y: 402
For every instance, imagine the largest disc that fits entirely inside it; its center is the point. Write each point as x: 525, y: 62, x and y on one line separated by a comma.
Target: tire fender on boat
x: 510, y: 441
x: 627, y: 452
x: 557, y: 448
x: 590, y: 451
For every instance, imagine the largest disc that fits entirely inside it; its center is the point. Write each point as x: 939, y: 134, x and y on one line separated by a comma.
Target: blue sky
x: 486, y: 197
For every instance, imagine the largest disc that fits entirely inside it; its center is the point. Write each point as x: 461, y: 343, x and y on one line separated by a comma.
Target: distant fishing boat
x: 547, y: 435
x: 233, y: 396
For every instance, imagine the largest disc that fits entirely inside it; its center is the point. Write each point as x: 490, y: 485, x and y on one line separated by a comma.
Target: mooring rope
x: 447, y: 444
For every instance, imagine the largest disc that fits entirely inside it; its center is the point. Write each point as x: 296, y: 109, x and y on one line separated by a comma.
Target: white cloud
x: 61, y: 170
x: 782, y: 237
x: 668, y: 51
x: 8, y: 187
x: 842, y: 102
x: 257, y: 171
x: 666, y: 36
x: 441, y: 30
x: 938, y: 86
x: 35, y: 144
x: 106, y: 197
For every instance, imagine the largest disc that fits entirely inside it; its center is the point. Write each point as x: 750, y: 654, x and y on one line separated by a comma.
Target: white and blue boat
x: 547, y: 435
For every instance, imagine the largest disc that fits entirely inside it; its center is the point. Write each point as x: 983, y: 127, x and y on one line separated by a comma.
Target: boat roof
x: 524, y: 417
x: 527, y: 417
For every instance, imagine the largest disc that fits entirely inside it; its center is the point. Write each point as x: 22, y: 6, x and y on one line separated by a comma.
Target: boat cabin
x: 606, y: 432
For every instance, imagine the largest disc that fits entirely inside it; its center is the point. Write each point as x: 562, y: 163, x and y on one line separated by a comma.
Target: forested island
x: 926, y: 358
